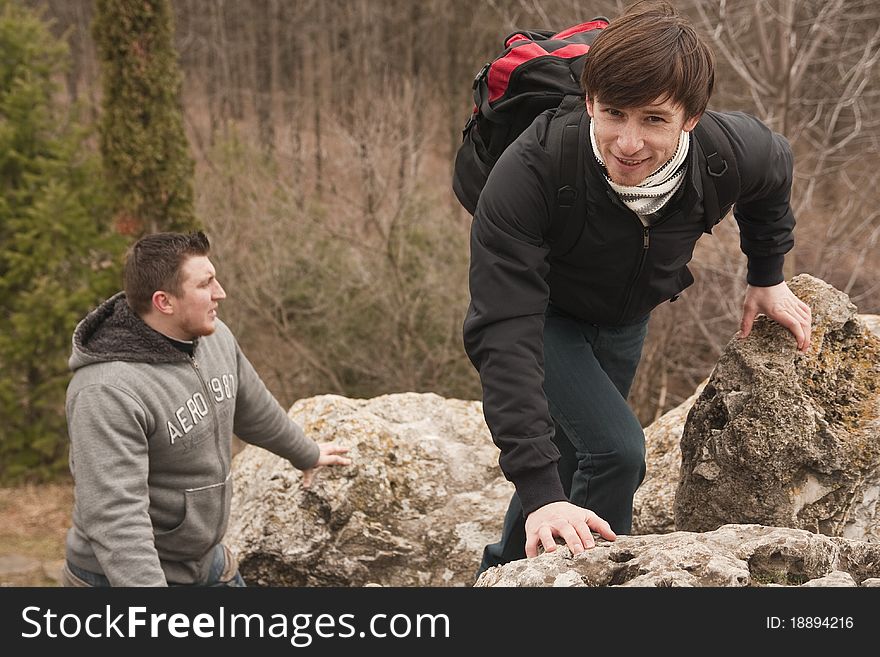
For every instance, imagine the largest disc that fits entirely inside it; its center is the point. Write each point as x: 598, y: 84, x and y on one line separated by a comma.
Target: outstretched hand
x: 782, y: 306
x: 568, y: 521
x: 330, y: 455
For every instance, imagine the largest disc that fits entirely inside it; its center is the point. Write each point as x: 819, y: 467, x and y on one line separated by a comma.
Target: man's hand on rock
x: 570, y: 522
x: 782, y: 306
x: 331, y: 454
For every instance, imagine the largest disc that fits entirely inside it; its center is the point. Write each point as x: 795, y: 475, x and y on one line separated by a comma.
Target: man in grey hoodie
x: 159, y: 387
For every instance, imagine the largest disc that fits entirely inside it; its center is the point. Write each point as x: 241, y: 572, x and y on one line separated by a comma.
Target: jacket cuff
x: 306, y: 457
x: 536, y: 488
x: 765, y: 271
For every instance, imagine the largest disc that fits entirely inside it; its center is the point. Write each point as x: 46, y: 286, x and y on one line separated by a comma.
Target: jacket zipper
x: 646, y: 243
x: 195, y: 364
x: 643, y: 254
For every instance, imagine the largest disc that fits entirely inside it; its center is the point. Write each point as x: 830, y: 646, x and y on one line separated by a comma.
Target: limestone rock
x: 733, y: 555
x: 872, y: 322
x: 787, y: 439
x: 423, y: 496
x: 653, y: 501
x: 834, y: 578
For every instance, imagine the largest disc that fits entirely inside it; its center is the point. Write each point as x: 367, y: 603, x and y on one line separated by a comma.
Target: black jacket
x: 615, y: 274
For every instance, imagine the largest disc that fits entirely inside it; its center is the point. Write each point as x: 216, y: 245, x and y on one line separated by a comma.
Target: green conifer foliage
x: 143, y: 144
x: 58, y: 255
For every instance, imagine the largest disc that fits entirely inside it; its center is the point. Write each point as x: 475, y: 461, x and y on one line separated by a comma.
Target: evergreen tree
x: 143, y: 144
x: 58, y: 254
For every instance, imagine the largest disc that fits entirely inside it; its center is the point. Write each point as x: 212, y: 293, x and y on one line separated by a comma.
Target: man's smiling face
x: 636, y: 141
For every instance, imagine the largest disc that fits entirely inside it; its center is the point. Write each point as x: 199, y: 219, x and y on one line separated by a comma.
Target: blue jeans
x: 218, y: 565
x: 588, y: 371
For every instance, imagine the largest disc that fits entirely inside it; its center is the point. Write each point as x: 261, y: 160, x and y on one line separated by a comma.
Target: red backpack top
x: 534, y: 73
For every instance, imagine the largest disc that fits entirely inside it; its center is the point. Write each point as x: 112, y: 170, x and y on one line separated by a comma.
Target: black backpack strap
x: 721, y: 184
x: 566, y: 137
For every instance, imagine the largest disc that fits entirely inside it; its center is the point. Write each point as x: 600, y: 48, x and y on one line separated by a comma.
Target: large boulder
x: 654, y: 500
x: 734, y: 555
x: 423, y: 496
x: 789, y: 439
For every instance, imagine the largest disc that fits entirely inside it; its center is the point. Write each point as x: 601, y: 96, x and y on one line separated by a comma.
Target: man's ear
x: 692, y: 122
x: 163, y: 303
x: 590, y: 106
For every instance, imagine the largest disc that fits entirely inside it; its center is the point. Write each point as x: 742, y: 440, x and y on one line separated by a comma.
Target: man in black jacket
x: 557, y: 336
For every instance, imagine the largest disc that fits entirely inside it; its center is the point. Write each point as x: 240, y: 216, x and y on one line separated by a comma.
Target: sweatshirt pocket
x: 205, y: 512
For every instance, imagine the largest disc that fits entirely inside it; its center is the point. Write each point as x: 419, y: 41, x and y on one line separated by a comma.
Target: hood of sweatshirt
x: 114, y: 332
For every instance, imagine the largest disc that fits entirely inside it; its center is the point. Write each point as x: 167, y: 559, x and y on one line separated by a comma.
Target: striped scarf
x: 656, y: 190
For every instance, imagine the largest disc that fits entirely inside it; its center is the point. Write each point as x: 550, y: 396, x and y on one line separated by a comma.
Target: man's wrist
x: 539, y: 487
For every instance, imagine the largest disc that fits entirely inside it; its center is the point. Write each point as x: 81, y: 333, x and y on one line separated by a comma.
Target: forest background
x: 317, y: 138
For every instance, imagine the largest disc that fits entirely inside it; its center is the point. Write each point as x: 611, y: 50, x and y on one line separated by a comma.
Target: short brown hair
x: 649, y: 53
x: 155, y: 262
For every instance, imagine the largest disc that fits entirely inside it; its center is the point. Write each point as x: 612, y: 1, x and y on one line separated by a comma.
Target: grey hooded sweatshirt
x: 150, y: 435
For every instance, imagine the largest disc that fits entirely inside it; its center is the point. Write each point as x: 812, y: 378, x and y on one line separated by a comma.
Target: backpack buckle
x: 566, y: 196
x: 479, y: 76
x: 713, y: 162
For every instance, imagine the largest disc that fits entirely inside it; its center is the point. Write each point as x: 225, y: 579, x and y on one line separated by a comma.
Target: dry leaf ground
x: 33, y: 523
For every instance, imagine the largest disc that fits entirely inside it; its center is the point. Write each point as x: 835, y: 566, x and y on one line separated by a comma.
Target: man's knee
x: 626, y: 459
x: 630, y: 458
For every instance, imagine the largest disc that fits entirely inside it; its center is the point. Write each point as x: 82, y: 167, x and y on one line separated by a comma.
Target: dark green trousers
x: 588, y: 371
